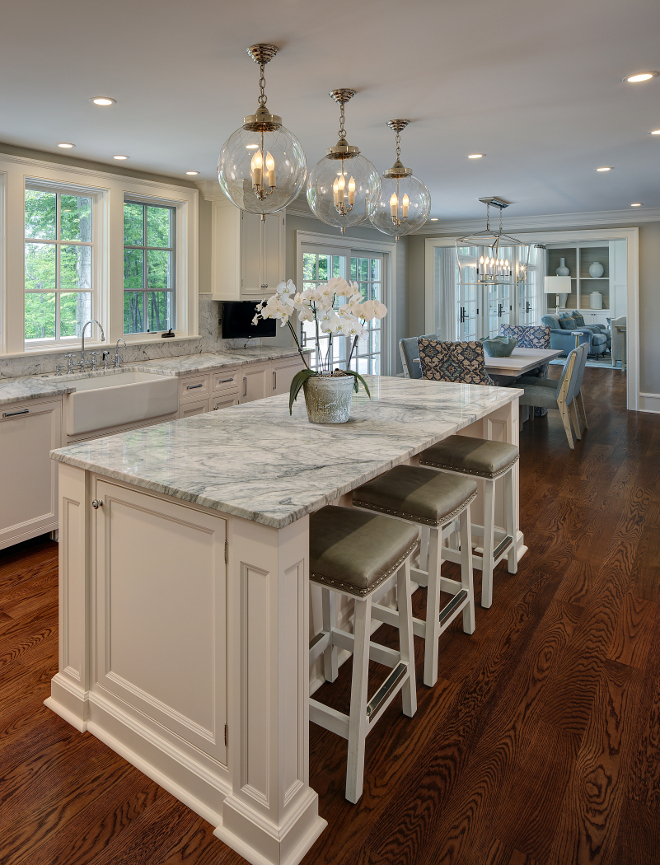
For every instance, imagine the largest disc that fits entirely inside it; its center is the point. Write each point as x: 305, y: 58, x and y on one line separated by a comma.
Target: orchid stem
x: 295, y: 337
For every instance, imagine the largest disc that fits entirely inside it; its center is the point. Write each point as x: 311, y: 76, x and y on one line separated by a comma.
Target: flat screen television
x: 237, y: 321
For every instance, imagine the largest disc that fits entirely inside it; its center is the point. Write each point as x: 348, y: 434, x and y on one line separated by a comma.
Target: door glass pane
x: 309, y: 265
x: 40, y: 313
x: 75, y: 218
x: 40, y: 259
x: 40, y: 214
x: 75, y: 310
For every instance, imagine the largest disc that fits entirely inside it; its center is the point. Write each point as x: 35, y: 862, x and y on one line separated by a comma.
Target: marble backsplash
x: 210, y: 340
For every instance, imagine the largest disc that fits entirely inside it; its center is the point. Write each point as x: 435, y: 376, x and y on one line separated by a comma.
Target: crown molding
x: 98, y: 173
x: 631, y: 216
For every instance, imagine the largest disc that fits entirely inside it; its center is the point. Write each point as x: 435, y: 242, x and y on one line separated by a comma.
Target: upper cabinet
x: 248, y: 253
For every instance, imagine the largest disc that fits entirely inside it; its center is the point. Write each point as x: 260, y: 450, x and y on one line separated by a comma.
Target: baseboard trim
x: 649, y: 402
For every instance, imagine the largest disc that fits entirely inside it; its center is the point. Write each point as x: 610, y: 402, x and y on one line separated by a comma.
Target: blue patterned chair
x: 462, y: 362
x: 529, y: 336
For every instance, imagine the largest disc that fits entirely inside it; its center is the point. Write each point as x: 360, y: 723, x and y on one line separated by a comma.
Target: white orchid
x: 286, y: 288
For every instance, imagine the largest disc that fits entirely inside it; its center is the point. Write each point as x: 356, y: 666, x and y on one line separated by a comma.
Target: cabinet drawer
x: 193, y: 388
x: 224, y: 381
x: 192, y: 407
x: 224, y: 400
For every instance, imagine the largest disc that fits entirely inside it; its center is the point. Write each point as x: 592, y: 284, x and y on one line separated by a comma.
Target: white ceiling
x: 534, y: 85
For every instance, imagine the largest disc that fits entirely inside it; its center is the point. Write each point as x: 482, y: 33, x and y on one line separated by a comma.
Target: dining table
x: 521, y: 361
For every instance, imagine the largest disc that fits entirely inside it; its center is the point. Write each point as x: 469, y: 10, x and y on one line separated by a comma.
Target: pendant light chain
x: 342, y: 131
x: 398, y: 145
x: 262, y: 85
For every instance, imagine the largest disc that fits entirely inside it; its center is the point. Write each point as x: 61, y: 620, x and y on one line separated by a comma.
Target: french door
x: 366, y: 268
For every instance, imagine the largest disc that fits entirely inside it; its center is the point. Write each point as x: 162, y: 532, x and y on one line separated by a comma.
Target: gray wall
x: 649, y: 307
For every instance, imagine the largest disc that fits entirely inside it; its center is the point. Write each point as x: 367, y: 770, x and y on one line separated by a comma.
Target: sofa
x: 594, y: 328
x: 563, y: 337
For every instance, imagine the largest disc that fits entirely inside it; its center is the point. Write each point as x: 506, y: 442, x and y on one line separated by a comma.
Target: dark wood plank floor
x: 539, y: 744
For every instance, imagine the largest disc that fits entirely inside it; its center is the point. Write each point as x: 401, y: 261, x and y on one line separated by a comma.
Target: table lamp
x: 557, y: 285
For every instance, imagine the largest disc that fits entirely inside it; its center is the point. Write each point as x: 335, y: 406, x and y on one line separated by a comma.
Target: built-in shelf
x: 578, y: 259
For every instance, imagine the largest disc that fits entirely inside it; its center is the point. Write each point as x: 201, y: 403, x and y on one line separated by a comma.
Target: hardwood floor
x: 539, y: 744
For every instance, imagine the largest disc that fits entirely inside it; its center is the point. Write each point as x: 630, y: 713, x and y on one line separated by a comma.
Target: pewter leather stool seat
x: 431, y: 499
x: 363, y: 556
x: 488, y: 460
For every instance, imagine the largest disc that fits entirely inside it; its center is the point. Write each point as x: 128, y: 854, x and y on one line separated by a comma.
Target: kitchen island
x: 184, y: 594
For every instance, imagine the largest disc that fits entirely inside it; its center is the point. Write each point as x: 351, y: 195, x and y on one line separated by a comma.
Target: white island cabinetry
x: 184, y: 591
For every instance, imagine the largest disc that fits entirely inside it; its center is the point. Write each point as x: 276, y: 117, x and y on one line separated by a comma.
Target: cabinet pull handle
x: 244, y: 385
x: 215, y: 407
x: 97, y: 503
x: 226, y: 380
x: 193, y: 386
x: 14, y: 413
x: 274, y: 379
x: 264, y: 285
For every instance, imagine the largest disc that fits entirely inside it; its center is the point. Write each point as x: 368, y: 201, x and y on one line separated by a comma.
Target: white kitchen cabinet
x: 188, y: 409
x: 28, y: 477
x: 224, y: 401
x: 248, y: 253
x: 255, y: 382
x: 283, y: 373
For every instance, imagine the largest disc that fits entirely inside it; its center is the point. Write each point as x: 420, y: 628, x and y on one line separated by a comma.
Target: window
x: 59, y: 251
x: 149, y: 267
x: 318, y: 267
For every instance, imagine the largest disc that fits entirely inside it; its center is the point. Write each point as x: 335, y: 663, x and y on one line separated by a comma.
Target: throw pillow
x: 578, y: 319
x: 462, y: 362
x: 567, y: 323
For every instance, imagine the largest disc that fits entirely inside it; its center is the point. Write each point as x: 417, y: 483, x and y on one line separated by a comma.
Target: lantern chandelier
x: 262, y: 165
x: 404, y: 203
x: 492, y: 268
x: 342, y: 186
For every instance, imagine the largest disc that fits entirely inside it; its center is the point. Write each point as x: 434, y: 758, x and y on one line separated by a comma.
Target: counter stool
x: 432, y: 499
x: 489, y: 460
x: 362, y: 556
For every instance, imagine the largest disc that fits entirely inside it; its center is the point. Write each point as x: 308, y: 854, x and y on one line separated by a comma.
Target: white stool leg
x: 406, y: 642
x: 330, y: 660
x: 511, y: 529
x: 489, y: 544
x: 431, y: 632
x: 358, y: 726
x: 424, y: 549
x: 465, y: 522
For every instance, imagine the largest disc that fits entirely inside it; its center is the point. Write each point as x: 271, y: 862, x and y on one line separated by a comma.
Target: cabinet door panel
x: 188, y: 409
x: 272, y: 251
x: 283, y: 373
x: 28, y: 477
x: 224, y: 401
x: 251, y: 231
x: 255, y: 383
x: 161, y: 633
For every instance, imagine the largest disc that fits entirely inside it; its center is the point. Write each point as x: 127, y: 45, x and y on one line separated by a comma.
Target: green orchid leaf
x: 357, y: 377
x: 297, y: 382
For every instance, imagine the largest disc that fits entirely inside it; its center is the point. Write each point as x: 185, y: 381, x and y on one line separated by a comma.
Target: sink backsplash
x: 210, y: 340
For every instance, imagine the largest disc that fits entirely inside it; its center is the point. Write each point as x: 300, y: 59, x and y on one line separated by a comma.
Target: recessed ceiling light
x: 639, y: 77
x: 654, y: 132
x: 476, y: 155
x: 192, y: 173
x: 120, y: 157
x: 434, y: 219
x: 103, y: 100
x: 65, y: 145
x: 605, y: 168
x: 636, y: 205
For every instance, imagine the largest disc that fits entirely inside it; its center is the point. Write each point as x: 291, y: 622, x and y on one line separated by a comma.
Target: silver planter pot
x: 328, y: 398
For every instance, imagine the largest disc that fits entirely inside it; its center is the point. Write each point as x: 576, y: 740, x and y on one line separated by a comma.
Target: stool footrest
x: 379, y: 654
x: 452, y: 609
x: 387, y: 689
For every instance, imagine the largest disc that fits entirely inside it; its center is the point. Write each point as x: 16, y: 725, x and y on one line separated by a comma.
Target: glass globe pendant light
x: 262, y: 166
x: 342, y: 185
x: 404, y: 203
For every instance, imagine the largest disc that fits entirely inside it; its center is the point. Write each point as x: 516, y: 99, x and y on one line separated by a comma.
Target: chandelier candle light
x: 262, y: 166
x: 492, y: 269
x: 343, y: 184
x: 404, y: 203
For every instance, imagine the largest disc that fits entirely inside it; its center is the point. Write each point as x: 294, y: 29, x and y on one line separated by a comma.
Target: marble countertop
x: 30, y: 387
x: 257, y: 462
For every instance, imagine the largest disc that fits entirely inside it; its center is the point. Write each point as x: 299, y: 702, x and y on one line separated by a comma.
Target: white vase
x: 596, y: 300
x: 328, y: 398
x: 596, y: 270
x: 562, y: 270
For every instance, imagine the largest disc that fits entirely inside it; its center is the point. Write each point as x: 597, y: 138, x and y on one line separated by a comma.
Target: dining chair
x: 461, y: 362
x: 617, y: 341
x: 409, y: 351
x: 564, y: 395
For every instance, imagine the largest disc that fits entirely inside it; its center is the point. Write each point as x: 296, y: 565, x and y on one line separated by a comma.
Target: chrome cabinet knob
x: 97, y: 503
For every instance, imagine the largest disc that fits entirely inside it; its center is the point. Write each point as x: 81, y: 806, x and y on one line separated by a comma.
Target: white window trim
x: 357, y: 245
x: 111, y: 189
